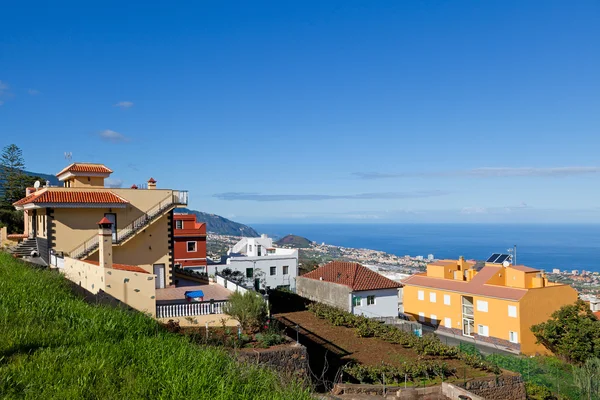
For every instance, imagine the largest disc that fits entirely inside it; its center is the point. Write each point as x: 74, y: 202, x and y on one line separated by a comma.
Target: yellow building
x: 495, y: 303
x: 63, y: 220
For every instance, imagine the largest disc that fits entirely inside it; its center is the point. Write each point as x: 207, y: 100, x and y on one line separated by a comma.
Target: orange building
x: 190, y: 242
x: 495, y: 303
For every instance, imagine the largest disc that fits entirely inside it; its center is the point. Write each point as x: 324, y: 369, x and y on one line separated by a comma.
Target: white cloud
x: 123, y: 105
x: 33, y: 92
x: 113, y: 136
x: 486, y: 172
x: 4, y: 91
x: 320, y: 197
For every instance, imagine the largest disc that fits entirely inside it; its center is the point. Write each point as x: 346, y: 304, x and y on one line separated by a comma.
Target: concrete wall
x: 88, y: 276
x: 536, y: 307
x: 229, y: 285
x: 386, y: 303
x: 132, y: 288
x: 332, y: 294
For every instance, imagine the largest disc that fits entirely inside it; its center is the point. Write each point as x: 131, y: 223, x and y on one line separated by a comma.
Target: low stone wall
x: 503, y: 387
x: 291, y: 360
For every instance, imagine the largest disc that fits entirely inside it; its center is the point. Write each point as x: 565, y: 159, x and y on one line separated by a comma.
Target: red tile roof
x: 71, y: 196
x: 353, y: 275
x: 104, y: 221
x: 476, y: 286
x: 123, y: 267
x: 86, y: 167
x: 151, y: 180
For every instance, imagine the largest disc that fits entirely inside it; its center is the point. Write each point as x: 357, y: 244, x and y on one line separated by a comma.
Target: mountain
x: 297, y: 242
x: 220, y: 225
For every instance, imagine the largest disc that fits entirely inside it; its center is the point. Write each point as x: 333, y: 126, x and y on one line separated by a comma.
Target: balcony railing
x: 190, y: 309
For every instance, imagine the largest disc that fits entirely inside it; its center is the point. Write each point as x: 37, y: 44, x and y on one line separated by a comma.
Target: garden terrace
x: 365, y: 345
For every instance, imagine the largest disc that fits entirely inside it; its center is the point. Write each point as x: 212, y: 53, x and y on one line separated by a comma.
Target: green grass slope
x: 53, y: 345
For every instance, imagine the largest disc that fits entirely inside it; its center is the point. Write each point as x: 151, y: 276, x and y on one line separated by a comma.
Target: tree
x: 248, y: 309
x: 572, y: 332
x: 12, y: 175
x: 587, y: 378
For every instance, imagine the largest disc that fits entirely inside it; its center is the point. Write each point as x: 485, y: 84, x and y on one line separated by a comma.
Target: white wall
x: 262, y: 269
x: 386, y: 303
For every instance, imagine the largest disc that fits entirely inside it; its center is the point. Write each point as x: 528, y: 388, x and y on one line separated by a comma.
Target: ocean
x: 544, y: 246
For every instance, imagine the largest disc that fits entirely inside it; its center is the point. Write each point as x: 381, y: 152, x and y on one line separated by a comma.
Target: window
x: 434, y: 319
x: 273, y: 271
x: 482, y: 305
x: 421, y: 295
x: 258, y: 250
x: 178, y: 224
x: 370, y: 300
x: 422, y: 317
x: 483, y: 330
x: 447, y: 299
x: 249, y: 248
x: 512, y: 311
x: 191, y: 247
x: 432, y: 297
x: 447, y: 322
x: 356, y: 301
x: 249, y: 272
x: 286, y: 270
x: 513, y: 337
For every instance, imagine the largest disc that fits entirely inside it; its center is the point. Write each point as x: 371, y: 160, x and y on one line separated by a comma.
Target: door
x: 112, y: 217
x: 468, y: 327
x: 159, y: 271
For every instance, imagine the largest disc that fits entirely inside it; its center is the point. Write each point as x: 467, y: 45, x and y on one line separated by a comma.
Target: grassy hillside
x: 294, y: 241
x: 54, y: 345
x: 222, y: 226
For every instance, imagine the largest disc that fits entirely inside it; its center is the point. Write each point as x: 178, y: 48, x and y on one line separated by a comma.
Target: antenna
x: 68, y: 156
x: 513, y: 254
x: 36, y: 184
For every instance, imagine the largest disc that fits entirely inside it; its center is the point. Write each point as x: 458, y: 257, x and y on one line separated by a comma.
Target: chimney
x: 134, y: 186
x: 151, y: 184
x: 105, y: 243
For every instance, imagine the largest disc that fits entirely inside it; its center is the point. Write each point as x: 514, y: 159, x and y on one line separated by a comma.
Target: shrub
x: 248, y: 309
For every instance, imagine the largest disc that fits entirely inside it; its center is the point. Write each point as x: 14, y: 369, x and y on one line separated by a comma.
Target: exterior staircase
x: 25, y: 248
x: 151, y: 215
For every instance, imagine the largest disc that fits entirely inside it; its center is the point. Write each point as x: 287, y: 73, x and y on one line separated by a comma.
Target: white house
x: 351, y: 287
x: 262, y: 264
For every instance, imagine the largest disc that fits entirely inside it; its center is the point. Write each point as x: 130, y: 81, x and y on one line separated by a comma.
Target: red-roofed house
x: 490, y: 302
x: 351, y: 287
x: 63, y: 221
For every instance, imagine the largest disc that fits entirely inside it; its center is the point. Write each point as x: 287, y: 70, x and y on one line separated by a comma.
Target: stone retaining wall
x: 503, y: 387
x: 290, y: 360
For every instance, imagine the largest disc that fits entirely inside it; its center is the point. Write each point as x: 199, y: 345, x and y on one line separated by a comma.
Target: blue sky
x: 318, y: 111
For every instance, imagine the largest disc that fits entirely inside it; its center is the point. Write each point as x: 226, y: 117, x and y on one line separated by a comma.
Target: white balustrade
x: 190, y: 309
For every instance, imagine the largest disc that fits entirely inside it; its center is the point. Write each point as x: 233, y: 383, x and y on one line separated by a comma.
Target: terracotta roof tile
x: 86, y: 167
x: 151, y: 180
x: 523, y: 268
x: 353, y: 275
x: 71, y: 196
x: 122, y: 267
x: 104, y: 221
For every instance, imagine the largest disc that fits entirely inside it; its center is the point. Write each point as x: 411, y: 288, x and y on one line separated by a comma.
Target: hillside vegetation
x: 297, y: 242
x: 54, y: 345
x: 220, y: 225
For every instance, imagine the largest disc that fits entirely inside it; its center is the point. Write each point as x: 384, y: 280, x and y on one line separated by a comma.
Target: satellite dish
x: 505, y: 264
x: 36, y: 184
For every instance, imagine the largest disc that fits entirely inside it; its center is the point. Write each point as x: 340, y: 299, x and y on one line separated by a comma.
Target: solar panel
x: 501, y: 259
x: 493, y: 257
